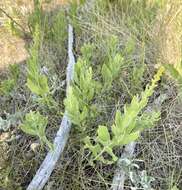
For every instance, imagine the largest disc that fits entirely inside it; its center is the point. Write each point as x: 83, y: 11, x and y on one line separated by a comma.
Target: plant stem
x: 13, y: 20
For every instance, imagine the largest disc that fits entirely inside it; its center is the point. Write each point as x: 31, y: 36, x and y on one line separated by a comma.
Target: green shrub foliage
x: 35, y: 125
x: 126, y: 127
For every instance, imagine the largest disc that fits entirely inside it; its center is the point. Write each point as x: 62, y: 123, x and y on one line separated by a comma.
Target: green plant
x: 113, y: 63
x: 11, y: 120
x: 7, y: 86
x: 129, y: 46
x: 73, y: 13
x: 36, y: 17
x: 12, y: 27
x: 175, y: 71
x: 125, y: 128
x: 55, y: 31
x: 139, y: 178
x: 59, y: 29
x: 138, y: 70
x: 11, y: 23
x: 76, y: 113
x: 84, y: 85
x: 37, y: 82
x: 35, y: 125
x: 82, y: 90
x: 175, y: 188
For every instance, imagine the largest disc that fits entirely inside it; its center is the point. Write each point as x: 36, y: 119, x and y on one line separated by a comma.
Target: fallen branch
x: 13, y: 20
x: 120, y: 174
x: 48, y: 165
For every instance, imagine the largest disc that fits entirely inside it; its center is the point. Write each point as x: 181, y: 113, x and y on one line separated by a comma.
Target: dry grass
x: 12, y: 49
x: 161, y: 150
x: 168, y: 34
x: 161, y: 147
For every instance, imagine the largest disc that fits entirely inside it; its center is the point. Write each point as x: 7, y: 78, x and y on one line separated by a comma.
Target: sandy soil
x: 12, y: 48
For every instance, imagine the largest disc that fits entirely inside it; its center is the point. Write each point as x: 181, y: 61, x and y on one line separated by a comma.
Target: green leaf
x: 115, y: 130
x: 94, y: 149
x: 117, y: 61
x: 118, y: 121
x: 130, y: 46
x: 106, y: 75
x: 111, y: 44
x: 130, y: 138
x: 33, y: 86
x: 72, y: 107
x: 110, y: 152
x: 103, y: 133
x: 38, y: 85
x: 87, y: 51
x: 43, y: 85
x: 84, y: 114
x: 7, y: 86
x: 35, y: 125
x: 14, y: 71
x: 42, y: 126
x: 78, y: 70
x: 32, y: 130
x: 130, y: 113
x: 147, y: 120
x: 174, y: 188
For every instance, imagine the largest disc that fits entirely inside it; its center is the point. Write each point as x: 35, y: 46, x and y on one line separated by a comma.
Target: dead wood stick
x: 119, y: 176
x: 48, y: 165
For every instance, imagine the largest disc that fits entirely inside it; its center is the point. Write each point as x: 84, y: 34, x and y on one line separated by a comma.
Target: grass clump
x: 7, y: 86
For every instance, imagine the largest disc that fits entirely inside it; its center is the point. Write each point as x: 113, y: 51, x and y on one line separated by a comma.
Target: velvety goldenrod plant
x: 79, y: 102
x: 35, y: 125
x: 125, y: 128
x: 82, y: 89
x: 36, y: 81
x: 114, y: 61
